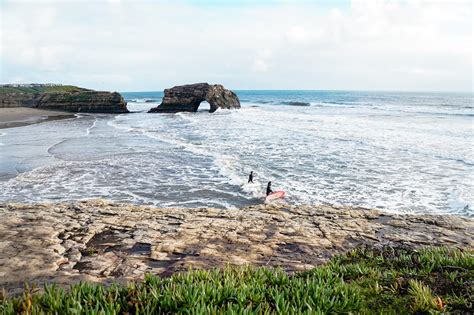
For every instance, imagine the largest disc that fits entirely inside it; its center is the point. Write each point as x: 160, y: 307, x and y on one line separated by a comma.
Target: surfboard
x: 275, y: 195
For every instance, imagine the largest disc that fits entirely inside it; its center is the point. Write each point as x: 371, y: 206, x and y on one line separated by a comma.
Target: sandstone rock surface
x: 100, y: 241
x: 186, y: 98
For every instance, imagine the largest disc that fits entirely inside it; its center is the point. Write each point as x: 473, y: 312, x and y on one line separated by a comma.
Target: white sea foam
x: 354, y: 153
x: 92, y: 126
x: 255, y: 189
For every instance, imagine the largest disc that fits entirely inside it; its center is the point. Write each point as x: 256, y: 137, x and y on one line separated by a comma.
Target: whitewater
x: 403, y: 152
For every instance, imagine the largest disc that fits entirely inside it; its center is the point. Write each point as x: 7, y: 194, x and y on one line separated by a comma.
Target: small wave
x: 118, y: 126
x: 143, y: 100
x: 51, y: 149
x: 221, y: 111
x: 270, y: 102
x: 187, y: 117
x: 454, y: 106
x: 88, y: 130
x: 254, y: 102
x: 462, y: 161
x: 225, y: 165
x: 255, y: 189
x: 296, y: 103
x: 337, y: 103
x: 445, y: 114
x: 422, y: 112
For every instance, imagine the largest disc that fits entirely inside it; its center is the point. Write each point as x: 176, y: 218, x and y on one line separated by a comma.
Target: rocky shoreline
x: 85, y: 101
x: 102, y: 241
x: 79, y: 100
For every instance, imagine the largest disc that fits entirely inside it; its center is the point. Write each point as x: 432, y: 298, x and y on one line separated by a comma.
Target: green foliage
x: 43, y: 89
x: 423, y: 300
x: 368, y: 281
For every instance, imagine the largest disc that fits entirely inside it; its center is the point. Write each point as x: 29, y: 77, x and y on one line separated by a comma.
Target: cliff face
x: 186, y: 98
x: 86, y: 101
x: 18, y: 100
x: 89, y: 102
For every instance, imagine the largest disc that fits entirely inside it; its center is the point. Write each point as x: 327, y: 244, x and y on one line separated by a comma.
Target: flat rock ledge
x: 101, y: 241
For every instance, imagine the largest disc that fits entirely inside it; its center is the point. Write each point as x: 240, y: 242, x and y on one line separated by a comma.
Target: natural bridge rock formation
x: 186, y: 98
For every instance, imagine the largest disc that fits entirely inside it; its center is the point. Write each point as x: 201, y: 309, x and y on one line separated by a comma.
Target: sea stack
x: 187, y: 98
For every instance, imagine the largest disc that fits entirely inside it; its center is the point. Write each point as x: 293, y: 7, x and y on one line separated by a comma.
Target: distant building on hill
x: 29, y: 85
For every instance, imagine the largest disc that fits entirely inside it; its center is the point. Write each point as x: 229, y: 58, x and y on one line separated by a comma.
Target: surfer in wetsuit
x: 269, y: 188
x: 250, y: 177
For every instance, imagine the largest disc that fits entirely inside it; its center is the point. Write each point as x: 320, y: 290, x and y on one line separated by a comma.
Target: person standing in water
x: 269, y: 188
x: 250, y: 177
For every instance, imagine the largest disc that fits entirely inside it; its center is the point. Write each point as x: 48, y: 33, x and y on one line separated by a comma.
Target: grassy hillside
x: 367, y: 281
x: 44, y: 89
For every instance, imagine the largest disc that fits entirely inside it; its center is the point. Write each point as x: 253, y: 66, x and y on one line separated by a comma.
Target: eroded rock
x: 187, y: 98
x: 77, y: 101
x: 101, y: 241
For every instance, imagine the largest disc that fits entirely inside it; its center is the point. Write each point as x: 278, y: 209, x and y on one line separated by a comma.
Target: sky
x: 323, y: 45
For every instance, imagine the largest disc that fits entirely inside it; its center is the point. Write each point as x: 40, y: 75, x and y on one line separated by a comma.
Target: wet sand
x: 22, y: 116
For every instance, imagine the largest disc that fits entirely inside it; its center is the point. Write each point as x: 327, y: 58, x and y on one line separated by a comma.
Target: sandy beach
x: 22, y: 116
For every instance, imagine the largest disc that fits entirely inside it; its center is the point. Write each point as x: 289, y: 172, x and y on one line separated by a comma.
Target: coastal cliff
x: 187, y: 98
x: 101, y: 241
x: 63, y: 98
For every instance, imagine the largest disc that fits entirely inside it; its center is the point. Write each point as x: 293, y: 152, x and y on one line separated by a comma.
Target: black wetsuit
x: 269, y: 189
x: 251, y: 178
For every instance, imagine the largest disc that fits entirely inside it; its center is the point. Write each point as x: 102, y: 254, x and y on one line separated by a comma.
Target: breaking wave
x: 374, y: 151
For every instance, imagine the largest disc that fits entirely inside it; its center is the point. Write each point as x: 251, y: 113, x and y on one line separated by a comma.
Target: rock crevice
x: 101, y: 241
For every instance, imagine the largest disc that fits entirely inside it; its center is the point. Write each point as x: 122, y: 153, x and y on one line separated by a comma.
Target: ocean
x: 403, y: 152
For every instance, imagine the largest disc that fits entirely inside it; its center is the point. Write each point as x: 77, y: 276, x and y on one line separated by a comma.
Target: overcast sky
x: 151, y: 45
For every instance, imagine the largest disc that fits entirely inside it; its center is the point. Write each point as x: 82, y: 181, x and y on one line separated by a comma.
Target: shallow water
x: 406, y: 152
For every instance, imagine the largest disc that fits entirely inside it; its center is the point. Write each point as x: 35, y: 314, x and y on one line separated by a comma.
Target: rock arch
x: 187, y: 98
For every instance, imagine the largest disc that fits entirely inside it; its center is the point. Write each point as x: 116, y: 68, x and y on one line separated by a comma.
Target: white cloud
x: 125, y: 45
x: 261, y: 62
x: 260, y: 65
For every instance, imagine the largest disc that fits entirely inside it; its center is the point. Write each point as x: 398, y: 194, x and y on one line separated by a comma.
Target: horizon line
x: 329, y: 90
x: 240, y: 89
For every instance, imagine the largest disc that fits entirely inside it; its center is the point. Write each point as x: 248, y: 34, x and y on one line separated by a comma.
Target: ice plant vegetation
x: 365, y: 280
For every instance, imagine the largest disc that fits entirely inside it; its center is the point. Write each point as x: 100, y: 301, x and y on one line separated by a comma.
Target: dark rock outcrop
x: 86, y: 101
x: 186, y: 98
x: 18, y: 99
